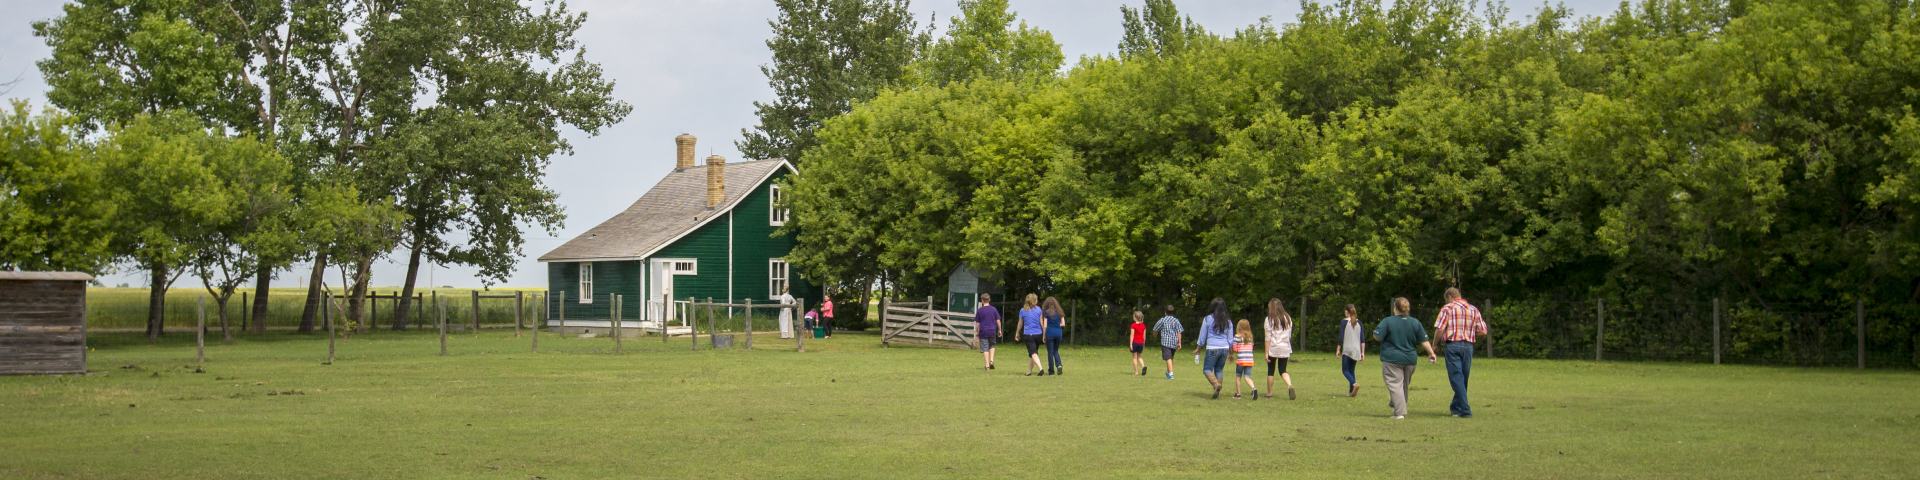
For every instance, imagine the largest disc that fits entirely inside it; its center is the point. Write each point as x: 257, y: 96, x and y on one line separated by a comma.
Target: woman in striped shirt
x: 1243, y: 358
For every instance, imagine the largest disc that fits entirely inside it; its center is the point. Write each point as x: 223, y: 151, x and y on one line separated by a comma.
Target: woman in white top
x: 1279, y: 345
x: 1352, y: 349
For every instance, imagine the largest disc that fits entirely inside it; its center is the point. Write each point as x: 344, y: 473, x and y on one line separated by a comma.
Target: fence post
x: 440, y: 320
x: 563, y: 312
x: 326, y: 312
x: 749, y: 323
x: 1599, y: 326
x: 932, y: 317
x: 519, y: 309
x: 476, y: 311
x: 713, y: 325
x: 800, y: 339
x: 693, y: 326
x: 615, y: 310
x: 200, y: 335
x: 1716, y: 330
x: 1860, y: 330
x: 373, y: 311
x: 666, y: 303
x: 883, y: 321
x: 539, y: 324
x: 246, y: 310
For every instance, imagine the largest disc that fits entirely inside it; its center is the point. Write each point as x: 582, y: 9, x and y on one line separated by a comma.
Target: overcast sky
x: 686, y: 66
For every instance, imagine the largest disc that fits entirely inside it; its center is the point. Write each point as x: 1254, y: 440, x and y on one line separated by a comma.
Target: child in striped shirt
x: 1243, y: 358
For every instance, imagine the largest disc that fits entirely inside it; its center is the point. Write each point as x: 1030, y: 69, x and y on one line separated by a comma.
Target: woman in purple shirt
x: 987, y: 333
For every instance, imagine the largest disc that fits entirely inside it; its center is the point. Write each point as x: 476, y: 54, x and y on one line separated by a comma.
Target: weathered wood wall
x: 43, y: 326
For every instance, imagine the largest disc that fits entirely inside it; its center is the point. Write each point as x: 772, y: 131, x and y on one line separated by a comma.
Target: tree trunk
x: 406, y: 288
x: 313, y: 293
x: 362, y: 274
x: 157, y: 303
x: 260, y: 299
x: 226, y: 335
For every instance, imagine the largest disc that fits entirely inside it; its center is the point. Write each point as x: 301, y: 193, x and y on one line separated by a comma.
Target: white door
x: 660, y: 289
x: 664, y: 270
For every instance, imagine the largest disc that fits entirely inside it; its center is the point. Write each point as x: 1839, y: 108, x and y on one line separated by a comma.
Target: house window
x: 777, y: 216
x: 776, y: 277
x: 586, y: 283
x: 683, y: 267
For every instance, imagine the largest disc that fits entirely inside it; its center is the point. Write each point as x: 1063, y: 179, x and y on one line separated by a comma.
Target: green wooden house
x: 705, y: 231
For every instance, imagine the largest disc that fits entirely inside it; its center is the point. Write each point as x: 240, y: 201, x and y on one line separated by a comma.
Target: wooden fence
x: 916, y: 323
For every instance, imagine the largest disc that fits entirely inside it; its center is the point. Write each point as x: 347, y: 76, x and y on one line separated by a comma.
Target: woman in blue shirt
x: 1216, y: 338
x: 1030, y: 331
x: 1056, y: 325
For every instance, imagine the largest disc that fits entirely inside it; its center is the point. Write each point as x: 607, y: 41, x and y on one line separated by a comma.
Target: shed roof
x: 674, y: 206
x: 74, y: 276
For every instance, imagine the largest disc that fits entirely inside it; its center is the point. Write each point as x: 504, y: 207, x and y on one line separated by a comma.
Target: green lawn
x: 390, y: 408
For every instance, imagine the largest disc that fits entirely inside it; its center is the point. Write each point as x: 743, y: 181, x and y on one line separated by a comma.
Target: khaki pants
x: 1397, y: 377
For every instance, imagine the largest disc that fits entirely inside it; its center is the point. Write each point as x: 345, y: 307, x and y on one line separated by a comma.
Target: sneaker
x: 1353, y: 391
x: 1143, y: 371
x: 1169, y: 375
x: 1399, y: 417
x: 1236, y: 396
x: 1289, y: 393
x: 989, y: 366
x: 1256, y: 395
x: 1216, y: 393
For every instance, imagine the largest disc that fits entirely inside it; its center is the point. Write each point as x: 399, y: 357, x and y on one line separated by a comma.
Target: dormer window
x: 777, y: 215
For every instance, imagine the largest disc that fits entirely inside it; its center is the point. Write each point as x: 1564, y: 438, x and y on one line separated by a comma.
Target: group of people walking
x: 1220, y: 338
x: 1041, y: 323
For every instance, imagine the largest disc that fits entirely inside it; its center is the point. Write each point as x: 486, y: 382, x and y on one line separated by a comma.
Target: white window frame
x: 693, y: 267
x: 586, y: 282
x: 779, y: 276
x: 776, y: 216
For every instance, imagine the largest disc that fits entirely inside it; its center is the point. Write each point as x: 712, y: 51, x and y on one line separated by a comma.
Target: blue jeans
x: 1346, y: 368
x: 1216, y: 361
x: 1053, y: 353
x: 1459, y: 365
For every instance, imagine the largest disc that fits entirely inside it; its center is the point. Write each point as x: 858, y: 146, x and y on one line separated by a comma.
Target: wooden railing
x: 916, y: 323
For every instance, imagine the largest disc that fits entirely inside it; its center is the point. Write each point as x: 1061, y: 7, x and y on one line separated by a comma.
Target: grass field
x: 112, y: 308
x: 390, y: 408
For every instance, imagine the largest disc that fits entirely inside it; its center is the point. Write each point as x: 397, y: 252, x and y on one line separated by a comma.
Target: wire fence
x: 120, y: 311
x: 1858, y: 335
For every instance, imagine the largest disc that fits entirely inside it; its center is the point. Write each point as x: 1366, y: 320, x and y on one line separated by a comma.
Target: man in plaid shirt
x: 1457, y: 325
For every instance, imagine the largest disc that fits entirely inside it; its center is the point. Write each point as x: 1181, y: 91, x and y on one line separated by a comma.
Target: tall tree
x: 170, y: 194
x: 465, y: 151
x: 115, y: 60
x: 256, y: 221
x: 827, y: 56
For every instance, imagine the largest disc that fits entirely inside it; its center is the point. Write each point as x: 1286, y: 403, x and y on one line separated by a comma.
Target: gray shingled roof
x: 675, y: 205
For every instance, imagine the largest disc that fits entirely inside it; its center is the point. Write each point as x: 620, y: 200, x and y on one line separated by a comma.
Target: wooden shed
x: 43, y: 322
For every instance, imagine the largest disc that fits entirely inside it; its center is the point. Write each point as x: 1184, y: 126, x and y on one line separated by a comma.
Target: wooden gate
x: 915, y: 323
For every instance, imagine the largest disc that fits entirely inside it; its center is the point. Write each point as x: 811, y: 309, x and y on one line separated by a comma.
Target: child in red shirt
x: 1137, y: 341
